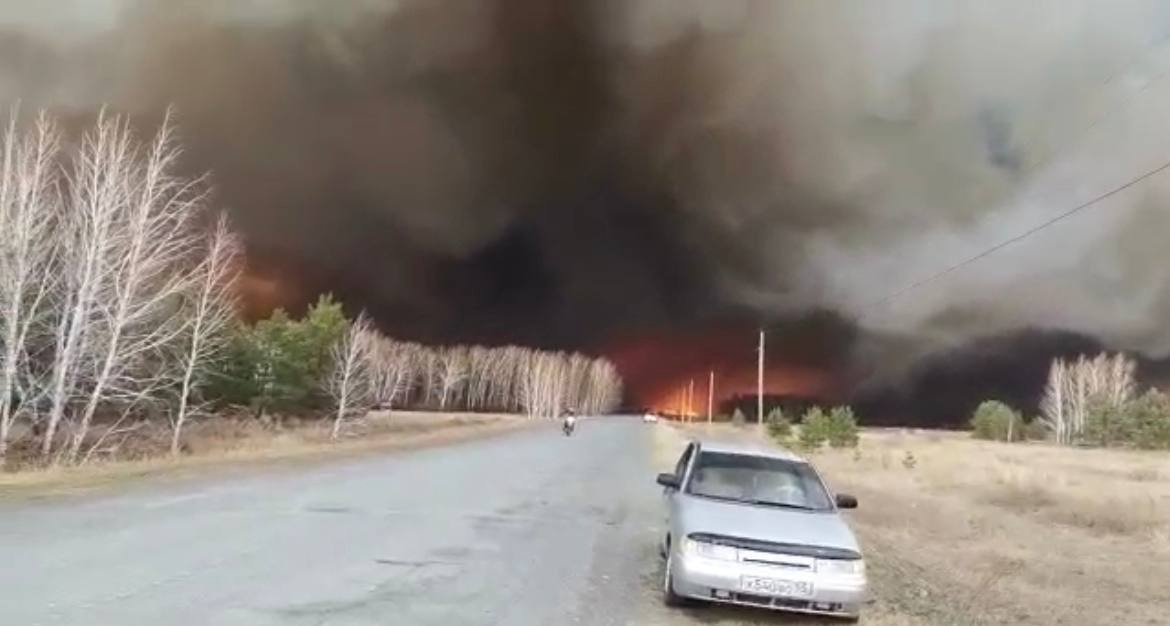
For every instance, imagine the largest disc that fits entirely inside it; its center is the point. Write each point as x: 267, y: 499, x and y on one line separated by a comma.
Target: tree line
x: 118, y: 308
x: 372, y: 370
x: 1087, y: 401
x: 325, y: 362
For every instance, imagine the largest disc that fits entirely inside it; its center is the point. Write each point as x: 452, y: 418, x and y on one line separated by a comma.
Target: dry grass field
x: 958, y: 531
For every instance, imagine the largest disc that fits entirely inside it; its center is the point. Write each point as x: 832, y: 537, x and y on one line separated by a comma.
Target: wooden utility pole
x: 760, y: 381
x: 691, y: 401
x: 710, y: 395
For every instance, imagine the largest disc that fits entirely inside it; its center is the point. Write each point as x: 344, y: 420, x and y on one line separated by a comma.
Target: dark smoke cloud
x: 568, y: 172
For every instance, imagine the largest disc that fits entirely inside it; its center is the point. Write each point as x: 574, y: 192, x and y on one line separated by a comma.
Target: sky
x: 600, y: 174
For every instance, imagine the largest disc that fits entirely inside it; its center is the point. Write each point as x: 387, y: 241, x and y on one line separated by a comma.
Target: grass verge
x: 224, y: 445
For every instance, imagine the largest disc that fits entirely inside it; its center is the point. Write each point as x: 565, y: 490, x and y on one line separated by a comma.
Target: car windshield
x: 758, y: 480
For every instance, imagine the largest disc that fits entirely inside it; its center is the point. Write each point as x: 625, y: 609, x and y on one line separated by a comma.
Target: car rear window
x: 758, y: 480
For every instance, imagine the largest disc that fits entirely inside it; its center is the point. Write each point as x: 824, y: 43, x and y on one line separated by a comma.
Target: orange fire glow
x: 260, y: 294
x: 659, y: 371
x: 779, y: 380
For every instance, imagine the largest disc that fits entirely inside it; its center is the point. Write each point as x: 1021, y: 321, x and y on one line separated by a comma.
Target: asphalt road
x: 528, y: 528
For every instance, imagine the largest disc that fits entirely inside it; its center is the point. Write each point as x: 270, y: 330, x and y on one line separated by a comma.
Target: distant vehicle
x: 757, y: 526
x: 649, y: 418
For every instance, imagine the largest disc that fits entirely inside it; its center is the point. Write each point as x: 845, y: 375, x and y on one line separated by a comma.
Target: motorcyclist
x: 569, y: 421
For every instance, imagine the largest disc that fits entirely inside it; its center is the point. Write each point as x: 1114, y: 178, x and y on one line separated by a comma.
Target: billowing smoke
x: 570, y: 172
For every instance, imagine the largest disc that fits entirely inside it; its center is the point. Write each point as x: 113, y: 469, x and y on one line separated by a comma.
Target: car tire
x: 669, y: 597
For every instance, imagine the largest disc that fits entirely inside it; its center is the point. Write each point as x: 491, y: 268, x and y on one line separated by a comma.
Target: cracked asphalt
x: 528, y: 528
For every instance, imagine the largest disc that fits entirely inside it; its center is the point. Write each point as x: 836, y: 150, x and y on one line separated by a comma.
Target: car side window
x: 681, y: 469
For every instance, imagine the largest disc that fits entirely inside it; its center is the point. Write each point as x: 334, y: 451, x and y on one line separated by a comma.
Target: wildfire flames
x: 677, y: 398
x: 658, y: 371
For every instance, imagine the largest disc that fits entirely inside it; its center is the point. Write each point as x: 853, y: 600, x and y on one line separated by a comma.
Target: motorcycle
x: 568, y: 427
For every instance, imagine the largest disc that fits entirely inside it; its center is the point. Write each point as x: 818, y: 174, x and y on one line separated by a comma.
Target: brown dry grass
x: 225, y: 443
x: 991, y: 533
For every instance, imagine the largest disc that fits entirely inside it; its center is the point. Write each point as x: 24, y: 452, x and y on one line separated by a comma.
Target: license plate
x: 774, y: 587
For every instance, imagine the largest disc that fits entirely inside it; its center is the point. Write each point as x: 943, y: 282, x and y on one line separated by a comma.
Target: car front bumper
x: 721, y: 581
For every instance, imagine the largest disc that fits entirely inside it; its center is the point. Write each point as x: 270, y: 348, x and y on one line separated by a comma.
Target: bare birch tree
x: 96, y: 192
x: 605, y: 387
x: 531, y: 390
x: 544, y: 385
x: 1054, y: 406
x: 452, y: 374
x: 392, y: 369
x: 29, y: 205
x: 1074, y: 386
x: 430, y: 377
x: 505, y: 394
x: 479, y: 375
x: 576, y: 377
x: 140, y: 286
x: 1121, y: 376
x: 349, y: 379
x: 212, y: 311
x: 409, y: 356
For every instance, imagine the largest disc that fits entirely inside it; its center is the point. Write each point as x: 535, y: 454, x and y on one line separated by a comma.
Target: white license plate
x: 774, y: 587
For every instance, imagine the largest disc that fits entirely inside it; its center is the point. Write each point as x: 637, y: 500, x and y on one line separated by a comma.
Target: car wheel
x: 669, y: 597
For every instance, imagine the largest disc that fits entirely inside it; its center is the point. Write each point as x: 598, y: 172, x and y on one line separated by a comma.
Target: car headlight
x: 854, y: 567
x: 710, y: 550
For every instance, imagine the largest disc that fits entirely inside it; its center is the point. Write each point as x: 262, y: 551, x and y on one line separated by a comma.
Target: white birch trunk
x: 348, y: 382
x: 215, y: 303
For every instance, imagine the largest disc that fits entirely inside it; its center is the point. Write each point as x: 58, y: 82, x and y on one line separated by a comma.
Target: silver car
x: 757, y: 526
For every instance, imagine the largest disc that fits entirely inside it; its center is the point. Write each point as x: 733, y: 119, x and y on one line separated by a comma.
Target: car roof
x: 750, y: 449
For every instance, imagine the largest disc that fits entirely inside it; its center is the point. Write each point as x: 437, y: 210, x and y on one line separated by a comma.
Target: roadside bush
x: 814, y: 428
x: 842, y: 428
x: 996, y: 421
x: 779, y: 427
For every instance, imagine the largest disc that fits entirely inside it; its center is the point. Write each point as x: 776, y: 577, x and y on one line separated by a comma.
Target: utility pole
x: 691, y: 401
x: 710, y: 395
x: 760, y: 381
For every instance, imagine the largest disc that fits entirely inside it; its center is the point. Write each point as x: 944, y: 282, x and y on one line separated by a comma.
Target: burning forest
x: 654, y: 182
x: 383, y: 286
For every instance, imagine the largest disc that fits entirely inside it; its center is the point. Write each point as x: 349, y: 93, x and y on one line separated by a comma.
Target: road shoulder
x: 416, y: 431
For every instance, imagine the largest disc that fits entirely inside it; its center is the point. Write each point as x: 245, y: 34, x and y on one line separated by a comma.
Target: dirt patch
x: 223, y: 444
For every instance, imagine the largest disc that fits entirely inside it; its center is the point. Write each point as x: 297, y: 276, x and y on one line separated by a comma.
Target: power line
x: 1140, y: 54
x: 1126, y: 101
x: 1017, y: 238
x: 1013, y: 239
x: 1060, y: 217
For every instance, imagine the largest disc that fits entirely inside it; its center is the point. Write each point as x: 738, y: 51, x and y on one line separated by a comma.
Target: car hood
x: 764, y: 523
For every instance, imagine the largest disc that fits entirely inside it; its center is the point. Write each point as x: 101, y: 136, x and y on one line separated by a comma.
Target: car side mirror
x: 670, y: 481
x: 846, y: 501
